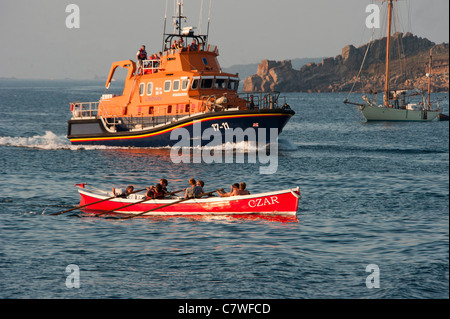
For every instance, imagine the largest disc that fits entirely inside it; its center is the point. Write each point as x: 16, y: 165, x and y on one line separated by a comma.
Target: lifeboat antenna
x: 179, y: 17
x: 209, y: 20
x: 164, y: 29
x: 200, y: 18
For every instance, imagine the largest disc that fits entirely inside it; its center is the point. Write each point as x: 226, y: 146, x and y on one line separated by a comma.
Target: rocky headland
x: 409, y: 66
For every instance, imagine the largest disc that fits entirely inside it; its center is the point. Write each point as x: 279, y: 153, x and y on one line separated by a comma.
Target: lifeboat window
x: 167, y: 86
x: 187, y: 108
x: 195, y: 84
x: 169, y: 109
x: 185, y: 84
x: 233, y: 85
x: 176, y: 85
x: 149, y: 88
x: 221, y: 84
x: 205, y: 61
x: 150, y: 110
x: 206, y: 83
x: 141, y: 89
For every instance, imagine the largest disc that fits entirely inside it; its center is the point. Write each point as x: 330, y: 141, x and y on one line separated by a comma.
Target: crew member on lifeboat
x: 141, y: 56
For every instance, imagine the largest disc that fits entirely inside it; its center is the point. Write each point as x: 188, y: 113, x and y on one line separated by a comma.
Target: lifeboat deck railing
x: 261, y: 100
x: 84, y: 110
x: 151, y: 66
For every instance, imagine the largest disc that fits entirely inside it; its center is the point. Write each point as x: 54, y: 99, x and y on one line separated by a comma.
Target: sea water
x: 375, y: 196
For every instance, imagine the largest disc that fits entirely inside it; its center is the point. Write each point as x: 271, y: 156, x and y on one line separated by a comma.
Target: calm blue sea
x: 373, y: 194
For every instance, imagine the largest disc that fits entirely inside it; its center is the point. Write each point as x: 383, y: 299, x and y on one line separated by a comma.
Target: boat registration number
x: 217, y: 126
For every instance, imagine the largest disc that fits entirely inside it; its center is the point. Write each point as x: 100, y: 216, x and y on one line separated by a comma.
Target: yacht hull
x: 376, y: 113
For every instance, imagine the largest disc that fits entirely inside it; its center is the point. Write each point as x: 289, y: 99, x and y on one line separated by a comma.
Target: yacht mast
x: 388, y: 55
x: 429, y: 78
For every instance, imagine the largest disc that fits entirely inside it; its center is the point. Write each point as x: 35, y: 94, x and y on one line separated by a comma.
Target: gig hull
x: 376, y: 113
x: 94, y: 132
x: 283, y: 202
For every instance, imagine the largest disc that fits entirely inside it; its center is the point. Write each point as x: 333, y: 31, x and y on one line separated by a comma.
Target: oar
x: 153, y: 209
x: 138, y: 202
x: 103, y: 200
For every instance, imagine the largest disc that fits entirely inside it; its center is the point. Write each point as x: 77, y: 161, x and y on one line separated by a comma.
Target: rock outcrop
x: 409, y: 65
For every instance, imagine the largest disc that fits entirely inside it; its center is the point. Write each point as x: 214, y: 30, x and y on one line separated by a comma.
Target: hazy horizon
x: 36, y: 43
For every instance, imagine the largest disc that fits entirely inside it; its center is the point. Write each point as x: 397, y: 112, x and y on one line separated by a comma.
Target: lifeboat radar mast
x: 180, y: 32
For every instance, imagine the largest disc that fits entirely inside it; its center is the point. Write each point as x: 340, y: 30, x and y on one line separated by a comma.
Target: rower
x: 155, y: 192
x: 242, y: 190
x: 123, y: 193
x: 194, y: 191
x: 233, y: 191
x: 164, y: 184
x: 201, y: 184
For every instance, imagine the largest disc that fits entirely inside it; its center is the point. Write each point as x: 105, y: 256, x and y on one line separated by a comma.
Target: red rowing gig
x: 283, y: 202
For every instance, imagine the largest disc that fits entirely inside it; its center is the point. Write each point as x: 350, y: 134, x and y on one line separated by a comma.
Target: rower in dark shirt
x: 155, y: 192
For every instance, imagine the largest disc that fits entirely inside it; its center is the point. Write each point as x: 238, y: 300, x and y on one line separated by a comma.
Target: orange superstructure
x: 182, y: 81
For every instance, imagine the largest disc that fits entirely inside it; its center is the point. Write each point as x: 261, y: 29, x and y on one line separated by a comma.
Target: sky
x: 35, y: 41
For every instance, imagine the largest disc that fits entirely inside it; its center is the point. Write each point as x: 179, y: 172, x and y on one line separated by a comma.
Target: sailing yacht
x: 397, y: 104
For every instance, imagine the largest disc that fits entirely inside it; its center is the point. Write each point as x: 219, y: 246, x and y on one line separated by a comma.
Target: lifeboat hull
x: 94, y: 132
